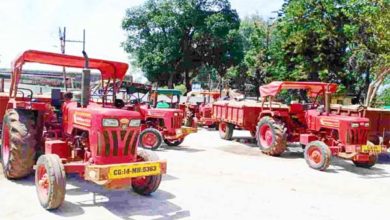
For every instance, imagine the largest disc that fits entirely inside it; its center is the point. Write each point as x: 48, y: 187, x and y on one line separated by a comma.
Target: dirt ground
x: 209, y: 178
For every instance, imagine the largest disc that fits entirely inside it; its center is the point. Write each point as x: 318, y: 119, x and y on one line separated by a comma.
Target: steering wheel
x: 119, y: 103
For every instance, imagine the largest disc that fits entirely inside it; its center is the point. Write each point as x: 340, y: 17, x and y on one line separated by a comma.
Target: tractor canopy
x: 108, y: 69
x: 273, y: 88
x: 168, y: 92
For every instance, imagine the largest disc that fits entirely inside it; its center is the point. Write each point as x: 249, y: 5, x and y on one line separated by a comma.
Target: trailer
x: 308, y: 121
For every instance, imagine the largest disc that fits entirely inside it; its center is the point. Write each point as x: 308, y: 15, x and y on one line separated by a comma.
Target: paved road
x: 214, y: 179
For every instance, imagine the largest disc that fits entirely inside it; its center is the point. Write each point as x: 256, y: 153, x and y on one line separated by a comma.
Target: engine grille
x: 357, y: 136
x: 117, y: 142
x: 176, y: 121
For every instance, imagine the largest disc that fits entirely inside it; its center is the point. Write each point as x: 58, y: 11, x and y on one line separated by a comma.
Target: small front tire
x: 50, y: 181
x: 372, y: 159
x: 146, y: 185
x: 150, y: 138
x: 174, y: 143
x: 317, y: 155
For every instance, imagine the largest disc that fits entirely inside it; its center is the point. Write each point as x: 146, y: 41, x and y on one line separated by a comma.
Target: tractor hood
x: 93, y: 116
x: 336, y: 121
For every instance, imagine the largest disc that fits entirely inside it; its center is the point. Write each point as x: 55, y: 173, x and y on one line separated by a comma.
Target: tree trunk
x: 187, y: 81
x: 170, y: 81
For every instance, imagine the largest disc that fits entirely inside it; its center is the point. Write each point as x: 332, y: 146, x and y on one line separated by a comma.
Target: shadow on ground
x: 180, y: 148
x: 123, y: 203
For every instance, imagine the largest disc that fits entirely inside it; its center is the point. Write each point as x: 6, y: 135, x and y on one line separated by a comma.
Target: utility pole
x: 63, y: 40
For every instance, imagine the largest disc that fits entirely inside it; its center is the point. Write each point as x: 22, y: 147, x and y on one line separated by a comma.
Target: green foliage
x: 173, y: 39
x: 182, y: 88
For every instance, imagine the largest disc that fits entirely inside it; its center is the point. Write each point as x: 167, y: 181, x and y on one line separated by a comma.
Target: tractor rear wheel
x: 372, y: 159
x: 50, y: 181
x: 19, y: 142
x: 272, y: 136
x: 172, y: 143
x: 226, y: 130
x: 317, y: 155
x: 146, y: 185
x: 150, y: 138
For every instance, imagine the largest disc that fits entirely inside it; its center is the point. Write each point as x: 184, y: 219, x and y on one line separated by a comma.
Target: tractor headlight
x: 175, y: 114
x: 354, y: 125
x: 367, y: 124
x: 135, y: 123
x: 110, y: 122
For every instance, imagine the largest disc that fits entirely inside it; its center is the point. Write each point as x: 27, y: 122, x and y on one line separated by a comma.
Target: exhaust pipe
x: 328, y: 97
x: 85, y: 82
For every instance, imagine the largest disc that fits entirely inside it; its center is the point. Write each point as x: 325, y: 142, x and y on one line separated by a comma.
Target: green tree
x: 253, y: 70
x: 173, y: 39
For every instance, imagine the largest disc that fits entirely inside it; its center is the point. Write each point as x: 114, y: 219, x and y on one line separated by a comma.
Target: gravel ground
x: 209, y: 178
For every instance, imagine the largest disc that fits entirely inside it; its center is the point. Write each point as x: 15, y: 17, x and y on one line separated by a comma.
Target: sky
x: 34, y: 24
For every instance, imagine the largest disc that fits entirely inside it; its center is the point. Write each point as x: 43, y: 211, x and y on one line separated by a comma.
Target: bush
x: 182, y: 88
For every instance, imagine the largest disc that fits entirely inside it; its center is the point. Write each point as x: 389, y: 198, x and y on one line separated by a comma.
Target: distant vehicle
x: 198, y: 108
x: 161, y: 117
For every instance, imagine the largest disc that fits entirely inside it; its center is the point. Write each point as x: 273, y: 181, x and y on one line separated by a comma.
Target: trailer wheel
x: 50, y: 181
x: 271, y: 136
x: 372, y: 159
x: 317, y: 155
x: 146, y: 185
x: 226, y: 130
x: 174, y: 142
x: 150, y: 138
x: 18, y: 143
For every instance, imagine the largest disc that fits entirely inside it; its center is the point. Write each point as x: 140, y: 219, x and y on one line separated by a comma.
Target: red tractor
x: 198, y: 108
x: 319, y: 131
x: 161, y: 118
x: 96, y: 141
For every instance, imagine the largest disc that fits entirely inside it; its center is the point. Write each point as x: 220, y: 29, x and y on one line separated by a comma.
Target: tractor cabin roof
x: 108, y: 69
x: 168, y: 91
x: 273, y: 88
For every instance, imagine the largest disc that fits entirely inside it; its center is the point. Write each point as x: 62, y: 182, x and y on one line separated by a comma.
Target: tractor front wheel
x: 317, y: 155
x: 226, y: 130
x: 150, y: 138
x: 372, y: 159
x: 19, y: 139
x: 172, y: 143
x: 272, y: 136
x: 50, y: 181
x: 146, y: 185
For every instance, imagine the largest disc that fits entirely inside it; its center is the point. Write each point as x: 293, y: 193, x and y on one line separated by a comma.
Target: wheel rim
x: 5, y: 147
x: 222, y: 127
x: 266, y: 136
x: 315, y: 155
x: 149, y: 139
x: 43, y: 183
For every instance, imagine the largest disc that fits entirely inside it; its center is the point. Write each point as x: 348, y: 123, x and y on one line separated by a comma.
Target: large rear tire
x: 146, y: 185
x: 271, y: 136
x: 50, y: 181
x: 150, y: 138
x: 19, y: 140
x: 317, y: 155
x: 226, y: 130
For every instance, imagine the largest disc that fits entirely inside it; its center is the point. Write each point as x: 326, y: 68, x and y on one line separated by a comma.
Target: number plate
x: 371, y: 148
x: 134, y: 170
